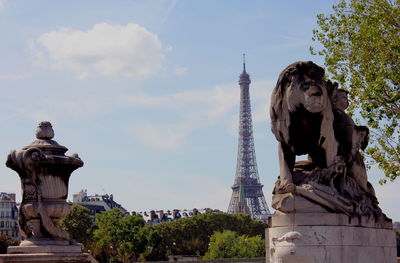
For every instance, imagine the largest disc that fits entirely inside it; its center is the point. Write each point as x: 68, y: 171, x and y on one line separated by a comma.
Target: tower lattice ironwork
x: 247, y: 196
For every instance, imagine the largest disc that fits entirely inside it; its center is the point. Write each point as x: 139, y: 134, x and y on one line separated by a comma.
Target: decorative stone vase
x: 44, y: 170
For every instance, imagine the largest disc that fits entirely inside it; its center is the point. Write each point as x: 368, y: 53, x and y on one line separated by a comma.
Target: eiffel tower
x: 247, y: 196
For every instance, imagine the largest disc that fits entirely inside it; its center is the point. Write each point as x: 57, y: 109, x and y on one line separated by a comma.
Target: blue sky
x: 146, y: 91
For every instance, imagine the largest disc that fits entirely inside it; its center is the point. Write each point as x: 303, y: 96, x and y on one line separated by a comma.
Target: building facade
x: 9, y: 215
x: 154, y: 217
x: 97, y: 203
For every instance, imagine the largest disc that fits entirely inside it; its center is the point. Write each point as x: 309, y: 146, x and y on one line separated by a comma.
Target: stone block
x: 44, y: 249
x: 47, y: 258
x: 324, y: 242
x: 282, y: 220
x: 319, y: 219
x: 347, y: 236
x: 266, y: 243
x: 292, y: 254
x: 289, y: 202
x: 385, y: 237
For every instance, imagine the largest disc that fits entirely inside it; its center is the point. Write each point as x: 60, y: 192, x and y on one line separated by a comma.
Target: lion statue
x: 302, y: 120
x: 308, y: 118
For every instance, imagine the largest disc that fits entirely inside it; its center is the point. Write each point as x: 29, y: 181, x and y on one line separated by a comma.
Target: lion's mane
x: 283, y: 103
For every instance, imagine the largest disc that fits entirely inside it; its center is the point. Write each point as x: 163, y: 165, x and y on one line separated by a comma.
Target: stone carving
x: 308, y: 118
x: 327, y: 210
x: 294, y: 236
x: 44, y: 171
x: 288, y: 248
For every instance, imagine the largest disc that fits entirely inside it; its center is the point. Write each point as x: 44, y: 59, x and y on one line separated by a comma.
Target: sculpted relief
x: 308, y: 118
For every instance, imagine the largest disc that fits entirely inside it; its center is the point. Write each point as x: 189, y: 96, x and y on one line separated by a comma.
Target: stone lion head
x: 301, y: 85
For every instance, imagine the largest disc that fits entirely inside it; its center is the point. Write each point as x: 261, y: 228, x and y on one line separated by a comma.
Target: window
x: 2, y: 224
x: 6, y: 223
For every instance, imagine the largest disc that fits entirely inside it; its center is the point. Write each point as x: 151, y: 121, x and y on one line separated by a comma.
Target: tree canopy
x: 79, y: 223
x: 120, y: 238
x: 361, y: 47
x: 227, y: 244
x: 191, y: 236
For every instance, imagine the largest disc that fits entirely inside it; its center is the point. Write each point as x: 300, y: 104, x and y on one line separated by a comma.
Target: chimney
x: 12, y: 196
x: 175, y: 213
x: 161, y: 214
x: 152, y: 215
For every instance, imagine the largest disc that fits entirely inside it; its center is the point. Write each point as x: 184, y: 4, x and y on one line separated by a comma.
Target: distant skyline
x: 146, y: 92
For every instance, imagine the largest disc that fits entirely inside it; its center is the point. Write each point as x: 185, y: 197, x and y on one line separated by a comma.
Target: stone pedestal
x: 315, y: 235
x: 45, y: 246
x: 46, y: 251
x: 47, y: 258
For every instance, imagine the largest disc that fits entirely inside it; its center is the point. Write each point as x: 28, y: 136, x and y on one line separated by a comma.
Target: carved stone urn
x: 44, y: 170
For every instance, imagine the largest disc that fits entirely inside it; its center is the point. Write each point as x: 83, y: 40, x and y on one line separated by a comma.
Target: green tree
x: 222, y: 245
x: 131, y: 241
x: 227, y: 244
x: 361, y: 46
x: 151, y: 238
x: 191, y: 236
x: 5, y: 242
x: 105, y: 235
x: 250, y: 247
x: 121, y: 238
x: 79, y: 223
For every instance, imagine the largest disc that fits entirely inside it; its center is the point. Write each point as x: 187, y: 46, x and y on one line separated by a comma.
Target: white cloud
x: 193, y: 109
x: 162, y: 190
x: 208, y: 105
x: 34, y: 114
x: 180, y: 70
x: 173, y: 117
x: 160, y: 136
x: 261, y: 96
x: 196, y: 109
x: 12, y: 76
x: 2, y: 4
x: 213, y: 194
x: 105, y: 49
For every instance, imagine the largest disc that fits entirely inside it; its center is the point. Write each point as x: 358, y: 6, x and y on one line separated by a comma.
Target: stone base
x: 45, y: 246
x: 47, y: 258
x: 304, y: 232
x: 46, y: 251
x: 327, y: 238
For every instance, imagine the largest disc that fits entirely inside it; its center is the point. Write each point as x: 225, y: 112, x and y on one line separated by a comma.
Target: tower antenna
x: 244, y: 62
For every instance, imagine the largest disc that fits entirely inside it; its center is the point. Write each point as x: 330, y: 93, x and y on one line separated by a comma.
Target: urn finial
x: 44, y: 131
